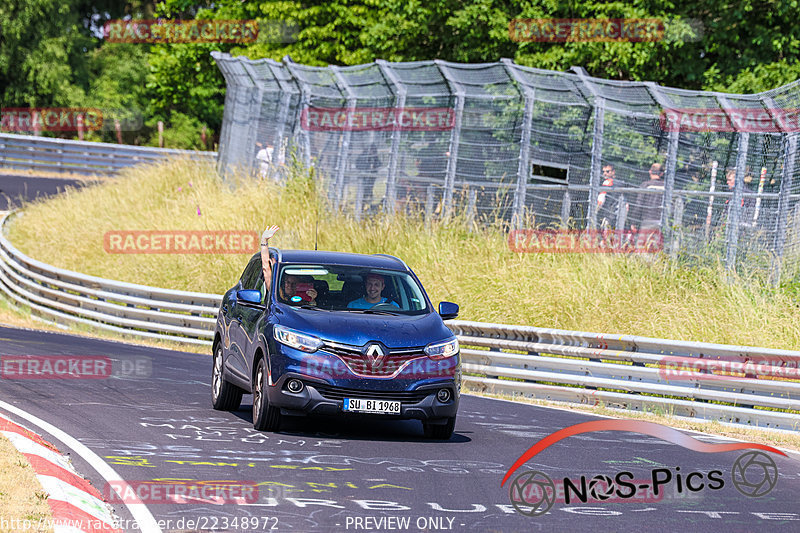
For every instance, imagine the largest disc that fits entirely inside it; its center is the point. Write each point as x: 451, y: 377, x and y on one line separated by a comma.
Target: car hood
x: 358, y: 329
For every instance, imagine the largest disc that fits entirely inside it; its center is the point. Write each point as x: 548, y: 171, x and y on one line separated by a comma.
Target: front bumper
x: 321, y: 398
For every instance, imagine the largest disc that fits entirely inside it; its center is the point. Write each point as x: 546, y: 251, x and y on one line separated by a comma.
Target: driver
x: 373, y: 286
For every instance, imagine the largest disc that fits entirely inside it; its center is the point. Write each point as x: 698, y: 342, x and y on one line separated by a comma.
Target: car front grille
x: 337, y: 393
x: 358, y: 363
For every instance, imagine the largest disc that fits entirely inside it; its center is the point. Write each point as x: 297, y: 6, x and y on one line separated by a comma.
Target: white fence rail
x: 28, y: 152
x: 730, y: 383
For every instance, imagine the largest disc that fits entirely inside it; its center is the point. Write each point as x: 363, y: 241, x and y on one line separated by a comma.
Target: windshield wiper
x: 371, y: 312
x: 310, y: 307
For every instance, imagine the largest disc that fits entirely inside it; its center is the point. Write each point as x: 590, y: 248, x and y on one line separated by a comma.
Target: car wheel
x: 440, y: 431
x: 224, y: 396
x: 265, y: 416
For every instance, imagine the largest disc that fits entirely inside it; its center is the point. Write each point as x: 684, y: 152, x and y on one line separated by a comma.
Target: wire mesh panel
x: 715, y: 173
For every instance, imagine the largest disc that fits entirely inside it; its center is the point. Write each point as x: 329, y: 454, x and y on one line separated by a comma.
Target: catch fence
x: 531, y: 147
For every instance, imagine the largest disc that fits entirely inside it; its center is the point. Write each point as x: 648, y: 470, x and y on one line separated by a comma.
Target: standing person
x: 264, y: 158
x: 647, y: 212
x: 748, y: 202
x: 606, y: 215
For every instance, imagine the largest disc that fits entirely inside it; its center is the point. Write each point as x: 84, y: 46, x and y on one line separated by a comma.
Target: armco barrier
x: 618, y: 370
x: 28, y: 152
x: 70, y: 297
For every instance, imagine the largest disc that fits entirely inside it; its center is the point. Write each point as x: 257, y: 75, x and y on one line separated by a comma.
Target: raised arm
x: 266, y: 263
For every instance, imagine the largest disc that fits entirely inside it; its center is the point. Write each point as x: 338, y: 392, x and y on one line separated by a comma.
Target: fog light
x: 443, y: 395
x: 294, y: 385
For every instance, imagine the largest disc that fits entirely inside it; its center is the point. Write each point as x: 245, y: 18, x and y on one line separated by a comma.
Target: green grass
x: 458, y: 262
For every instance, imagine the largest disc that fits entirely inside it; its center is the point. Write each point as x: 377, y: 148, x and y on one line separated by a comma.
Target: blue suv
x: 339, y: 333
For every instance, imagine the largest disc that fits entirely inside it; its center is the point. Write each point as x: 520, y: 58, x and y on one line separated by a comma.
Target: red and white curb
x: 77, y: 506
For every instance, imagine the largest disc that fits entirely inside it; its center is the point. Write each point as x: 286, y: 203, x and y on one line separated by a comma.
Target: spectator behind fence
x: 606, y: 208
x: 647, y: 212
x: 264, y: 158
x: 748, y: 204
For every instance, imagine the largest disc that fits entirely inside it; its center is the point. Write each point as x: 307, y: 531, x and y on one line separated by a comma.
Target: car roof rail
x: 395, y: 258
x: 278, y: 253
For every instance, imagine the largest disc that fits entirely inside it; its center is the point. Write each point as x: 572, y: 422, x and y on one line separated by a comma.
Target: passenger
x: 289, y: 286
x: 373, y: 286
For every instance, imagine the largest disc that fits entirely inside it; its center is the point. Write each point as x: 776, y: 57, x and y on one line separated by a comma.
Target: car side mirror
x: 249, y: 297
x: 448, y: 310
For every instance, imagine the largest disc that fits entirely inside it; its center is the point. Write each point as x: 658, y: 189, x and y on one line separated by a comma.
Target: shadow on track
x: 354, y: 427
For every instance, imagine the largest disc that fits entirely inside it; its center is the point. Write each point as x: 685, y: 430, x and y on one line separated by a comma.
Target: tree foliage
x: 51, y: 53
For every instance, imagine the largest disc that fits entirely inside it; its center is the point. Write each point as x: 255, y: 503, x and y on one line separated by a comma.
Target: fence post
x: 305, y: 99
x: 566, y: 207
x: 669, y: 183
x: 523, y: 170
x: 735, y: 206
x: 675, y: 233
x: 344, y: 149
x: 790, y: 153
x: 622, y: 213
x: 400, y: 99
x: 455, y: 138
x: 428, y: 204
x: 597, y: 145
x: 473, y: 199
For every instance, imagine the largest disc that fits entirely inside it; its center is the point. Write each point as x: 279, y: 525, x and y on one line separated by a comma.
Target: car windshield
x: 351, y: 289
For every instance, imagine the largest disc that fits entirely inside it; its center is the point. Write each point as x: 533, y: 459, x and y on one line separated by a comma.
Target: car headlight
x: 296, y: 339
x: 442, y: 350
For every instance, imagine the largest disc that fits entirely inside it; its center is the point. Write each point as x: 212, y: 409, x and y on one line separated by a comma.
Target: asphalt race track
x: 152, y: 420
x: 14, y: 187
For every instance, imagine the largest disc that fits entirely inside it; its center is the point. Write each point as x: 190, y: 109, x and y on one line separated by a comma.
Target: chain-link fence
x: 715, y: 172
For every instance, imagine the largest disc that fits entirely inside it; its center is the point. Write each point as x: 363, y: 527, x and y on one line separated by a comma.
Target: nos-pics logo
x: 532, y: 493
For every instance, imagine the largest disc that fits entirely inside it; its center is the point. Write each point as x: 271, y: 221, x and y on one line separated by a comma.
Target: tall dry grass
x: 590, y: 292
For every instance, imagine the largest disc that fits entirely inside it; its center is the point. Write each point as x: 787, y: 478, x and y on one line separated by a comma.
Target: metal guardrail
x: 73, y: 298
x: 619, y: 370
x: 28, y: 152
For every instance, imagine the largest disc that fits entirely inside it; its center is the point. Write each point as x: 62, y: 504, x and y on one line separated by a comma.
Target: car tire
x: 440, y: 431
x: 265, y: 416
x: 224, y: 396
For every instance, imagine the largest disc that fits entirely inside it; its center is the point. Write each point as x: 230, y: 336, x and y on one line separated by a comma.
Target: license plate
x: 358, y: 405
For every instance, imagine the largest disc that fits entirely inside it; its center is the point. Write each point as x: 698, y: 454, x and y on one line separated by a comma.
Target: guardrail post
x: 789, y: 153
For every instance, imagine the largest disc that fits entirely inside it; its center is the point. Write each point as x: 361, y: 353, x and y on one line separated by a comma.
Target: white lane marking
x: 141, y: 514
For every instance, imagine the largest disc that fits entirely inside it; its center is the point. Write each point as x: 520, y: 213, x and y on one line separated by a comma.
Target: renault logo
x: 375, y: 355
